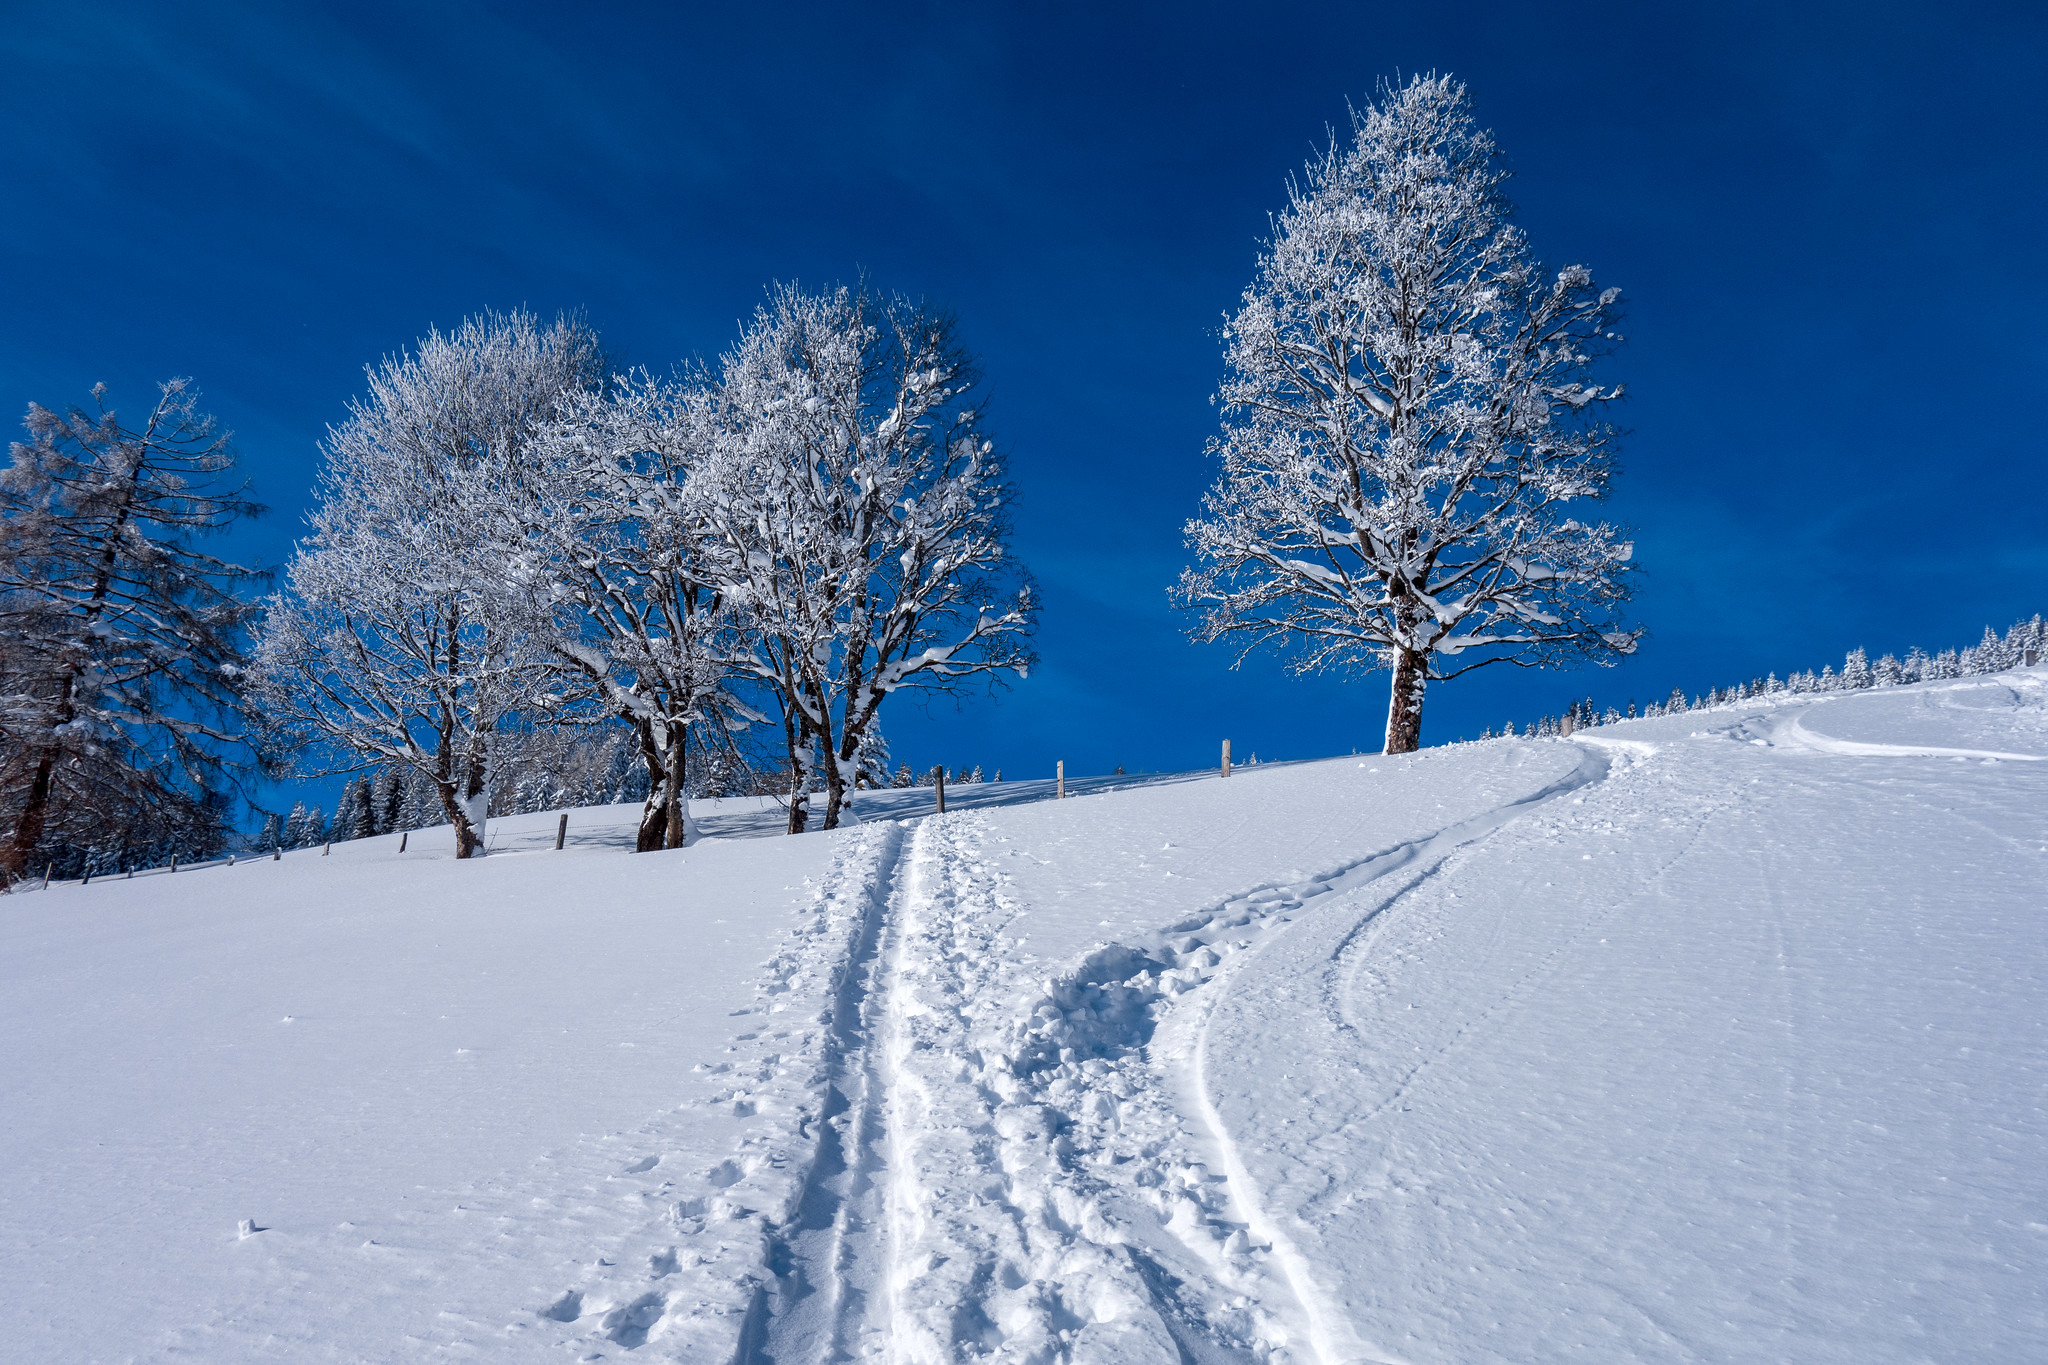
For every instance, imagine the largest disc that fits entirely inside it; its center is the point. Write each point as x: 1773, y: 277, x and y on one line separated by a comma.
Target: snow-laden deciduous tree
x: 120, y: 640
x: 396, y: 639
x: 1409, y: 427
x: 861, y: 511
x: 610, y: 552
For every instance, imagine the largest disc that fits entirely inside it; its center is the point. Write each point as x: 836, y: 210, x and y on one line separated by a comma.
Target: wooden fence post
x: 1565, y: 726
x: 276, y: 852
x: 327, y: 848
x: 47, y: 868
x: 1226, y: 758
x: 939, y: 780
x: 403, y: 835
x: 561, y: 831
x: 1060, y: 778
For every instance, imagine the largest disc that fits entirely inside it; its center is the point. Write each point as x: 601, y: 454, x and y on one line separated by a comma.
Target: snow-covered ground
x: 1714, y: 1037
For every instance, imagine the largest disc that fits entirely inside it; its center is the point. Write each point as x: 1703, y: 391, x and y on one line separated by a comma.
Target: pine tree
x: 387, y: 798
x: 295, y: 826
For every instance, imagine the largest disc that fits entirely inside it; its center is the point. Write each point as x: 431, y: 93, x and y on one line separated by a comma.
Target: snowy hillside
x: 1713, y: 1037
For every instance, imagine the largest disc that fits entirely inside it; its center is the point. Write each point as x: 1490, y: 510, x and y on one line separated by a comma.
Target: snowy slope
x: 1717, y: 1036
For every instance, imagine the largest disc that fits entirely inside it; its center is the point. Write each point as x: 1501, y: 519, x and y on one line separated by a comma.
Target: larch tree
x: 1410, y: 430
x: 862, y: 510
x: 120, y: 639
x: 395, y: 640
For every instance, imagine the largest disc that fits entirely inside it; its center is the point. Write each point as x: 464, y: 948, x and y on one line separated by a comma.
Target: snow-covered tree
x: 863, y: 515
x: 120, y: 639
x: 295, y: 826
x: 609, y: 543
x: 395, y: 640
x: 871, y: 761
x: 1409, y: 431
x: 387, y: 797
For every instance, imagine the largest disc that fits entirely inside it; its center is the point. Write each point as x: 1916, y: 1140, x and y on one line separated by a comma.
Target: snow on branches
x: 1409, y: 425
x: 504, y: 538
x: 861, y: 512
x: 396, y: 640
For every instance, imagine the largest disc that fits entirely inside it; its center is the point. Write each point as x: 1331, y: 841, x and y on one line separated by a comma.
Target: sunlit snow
x: 1714, y: 1036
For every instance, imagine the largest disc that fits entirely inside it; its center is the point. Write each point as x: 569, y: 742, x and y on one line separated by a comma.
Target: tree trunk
x: 653, y: 812
x: 799, y: 778
x: 835, y: 793
x: 1404, y: 706
x: 28, y: 830
x: 799, y: 798
x: 678, y: 804
x: 457, y: 811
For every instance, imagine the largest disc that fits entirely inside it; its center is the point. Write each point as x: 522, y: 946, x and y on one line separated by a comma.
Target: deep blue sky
x: 1828, y: 221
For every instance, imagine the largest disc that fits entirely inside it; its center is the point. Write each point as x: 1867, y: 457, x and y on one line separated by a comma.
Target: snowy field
x: 1721, y: 1036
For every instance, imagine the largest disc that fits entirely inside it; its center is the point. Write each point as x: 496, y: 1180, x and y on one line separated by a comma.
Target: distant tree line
x: 2023, y: 644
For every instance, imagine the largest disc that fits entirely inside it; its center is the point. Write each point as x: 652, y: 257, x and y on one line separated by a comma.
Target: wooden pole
x: 1060, y: 777
x: 1565, y: 728
x: 561, y: 831
x: 327, y: 848
x: 1226, y: 758
x: 276, y: 853
x: 47, y: 868
x: 403, y: 836
x: 174, y: 862
x: 939, y: 781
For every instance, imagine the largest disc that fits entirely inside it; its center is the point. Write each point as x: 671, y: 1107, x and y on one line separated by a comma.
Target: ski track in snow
x: 694, y: 1278
x: 1024, y: 1168
x: 961, y: 1158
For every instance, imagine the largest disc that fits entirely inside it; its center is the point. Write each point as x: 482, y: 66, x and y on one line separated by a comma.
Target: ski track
x: 1017, y: 1169
x: 694, y: 1276
x: 964, y: 1158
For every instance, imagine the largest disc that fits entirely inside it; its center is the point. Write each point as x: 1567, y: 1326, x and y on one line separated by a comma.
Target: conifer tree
x: 120, y: 649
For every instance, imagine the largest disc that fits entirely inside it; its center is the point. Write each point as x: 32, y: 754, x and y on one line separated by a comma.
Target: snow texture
x: 1712, y: 1036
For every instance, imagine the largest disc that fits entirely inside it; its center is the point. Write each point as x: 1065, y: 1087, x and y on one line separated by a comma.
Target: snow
x: 1714, y: 1036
